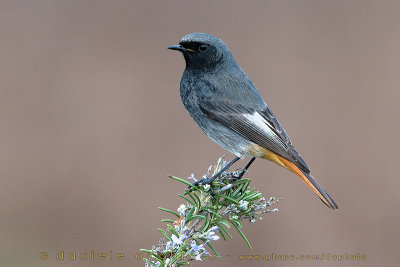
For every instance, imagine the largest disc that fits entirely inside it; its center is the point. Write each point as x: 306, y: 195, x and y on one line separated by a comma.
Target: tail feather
x: 311, y: 182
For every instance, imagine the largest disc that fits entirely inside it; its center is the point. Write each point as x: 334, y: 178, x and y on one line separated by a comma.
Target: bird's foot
x: 204, y: 182
x: 208, y: 181
x: 240, y: 174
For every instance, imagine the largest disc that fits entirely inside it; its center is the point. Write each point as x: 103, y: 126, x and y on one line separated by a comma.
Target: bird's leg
x: 210, y: 180
x: 245, y: 168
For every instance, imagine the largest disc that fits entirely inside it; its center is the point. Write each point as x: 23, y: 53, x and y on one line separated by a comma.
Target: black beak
x: 177, y: 47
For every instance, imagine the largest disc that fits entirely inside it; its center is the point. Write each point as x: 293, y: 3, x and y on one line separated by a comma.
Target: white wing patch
x: 257, y: 120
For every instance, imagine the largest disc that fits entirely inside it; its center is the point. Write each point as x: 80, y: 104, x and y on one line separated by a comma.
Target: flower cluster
x: 209, y: 211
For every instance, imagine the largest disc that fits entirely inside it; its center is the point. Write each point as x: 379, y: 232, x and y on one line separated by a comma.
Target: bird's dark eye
x: 203, y: 48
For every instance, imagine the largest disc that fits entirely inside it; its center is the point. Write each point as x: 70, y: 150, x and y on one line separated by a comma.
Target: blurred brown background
x: 91, y: 124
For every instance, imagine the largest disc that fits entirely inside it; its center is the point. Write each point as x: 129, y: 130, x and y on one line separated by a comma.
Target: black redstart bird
x: 228, y: 108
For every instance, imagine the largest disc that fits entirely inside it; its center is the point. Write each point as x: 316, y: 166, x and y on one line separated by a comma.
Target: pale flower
x: 182, y: 210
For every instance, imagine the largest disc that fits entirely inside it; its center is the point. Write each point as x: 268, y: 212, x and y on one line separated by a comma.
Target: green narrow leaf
x: 246, y: 211
x: 198, y: 200
x: 192, y: 197
x: 167, y: 220
x: 172, y: 229
x: 222, y: 235
x: 239, y: 189
x: 190, y: 213
x: 210, y: 210
x: 170, y: 211
x: 241, y: 181
x: 196, y: 217
x: 205, y: 224
x: 229, y: 198
x: 252, y: 197
x: 179, y: 252
x: 216, y: 204
x: 149, y: 251
x: 242, y: 196
x: 223, y: 222
x: 243, y: 236
x: 165, y: 234
x: 182, y: 263
x: 246, y: 194
x: 184, y: 181
x: 224, y: 230
x: 191, y: 202
x: 238, y: 222
x: 178, y: 256
x: 256, y: 193
x: 246, y: 186
x: 255, y: 196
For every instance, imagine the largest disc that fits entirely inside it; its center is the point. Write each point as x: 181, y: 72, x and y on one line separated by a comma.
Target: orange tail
x: 311, y: 182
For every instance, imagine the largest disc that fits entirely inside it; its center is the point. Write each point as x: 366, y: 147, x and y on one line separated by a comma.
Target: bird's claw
x: 203, y: 181
x: 195, y: 184
x: 240, y: 174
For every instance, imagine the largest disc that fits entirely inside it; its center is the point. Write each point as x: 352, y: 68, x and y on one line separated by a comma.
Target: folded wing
x: 257, y: 125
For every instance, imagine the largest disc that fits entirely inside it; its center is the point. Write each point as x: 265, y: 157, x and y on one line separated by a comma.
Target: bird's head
x: 202, y: 50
